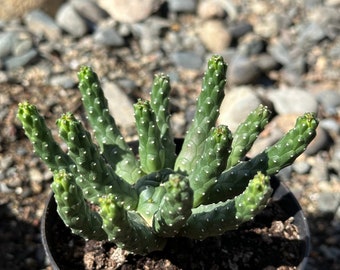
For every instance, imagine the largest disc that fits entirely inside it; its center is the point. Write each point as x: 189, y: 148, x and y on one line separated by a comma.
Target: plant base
x: 266, y: 241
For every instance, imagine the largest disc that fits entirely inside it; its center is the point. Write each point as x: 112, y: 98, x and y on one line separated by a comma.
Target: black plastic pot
x: 51, y: 220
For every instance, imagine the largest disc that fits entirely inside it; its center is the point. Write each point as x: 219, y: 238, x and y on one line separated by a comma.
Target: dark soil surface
x: 271, y: 241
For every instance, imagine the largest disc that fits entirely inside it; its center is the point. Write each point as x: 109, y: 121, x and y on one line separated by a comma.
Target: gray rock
x: 236, y: 105
x: 331, y: 125
x: 108, y: 36
x: 63, y: 80
x: 311, y: 34
x: 328, y: 202
x: 149, y: 33
x: 182, y: 6
x: 120, y: 106
x: 269, y: 25
x: 39, y: 23
x: 243, y: 70
x: 189, y: 60
x: 89, y: 9
x: 251, y: 44
x: 7, y: 40
x: 329, y: 101
x: 240, y: 29
x: 70, y: 21
x: 266, y: 63
x: 20, y: 61
x: 280, y: 52
x: 292, y: 101
x: 322, y: 141
x: 301, y: 167
x: 22, y: 44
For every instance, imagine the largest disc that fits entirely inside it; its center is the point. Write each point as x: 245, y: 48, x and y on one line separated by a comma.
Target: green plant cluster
x: 204, y: 190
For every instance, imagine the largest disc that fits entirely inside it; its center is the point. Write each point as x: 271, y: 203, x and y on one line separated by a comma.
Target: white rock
x: 129, y: 11
x: 293, y: 100
x: 236, y: 106
x: 210, y: 9
x: 120, y: 106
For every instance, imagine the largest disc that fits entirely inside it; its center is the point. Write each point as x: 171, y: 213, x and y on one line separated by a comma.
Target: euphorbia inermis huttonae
x: 204, y: 190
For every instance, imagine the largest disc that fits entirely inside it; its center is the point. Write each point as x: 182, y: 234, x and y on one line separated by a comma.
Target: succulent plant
x: 104, y: 191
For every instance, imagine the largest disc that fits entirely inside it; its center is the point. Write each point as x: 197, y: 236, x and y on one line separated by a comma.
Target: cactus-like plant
x: 207, y: 189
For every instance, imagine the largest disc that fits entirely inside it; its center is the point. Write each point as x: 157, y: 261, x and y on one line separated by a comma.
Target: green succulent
x: 205, y: 189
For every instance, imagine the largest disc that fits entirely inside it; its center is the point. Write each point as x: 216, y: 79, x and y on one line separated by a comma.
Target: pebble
x: 236, y: 105
x: 210, y: 9
x: 23, y: 43
x: 63, y: 80
x: 292, y: 101
x: 240, y: 29
x: 40, y: 23
x: 210, y: 30
x: 328, y: 202
x: 7, y: 40
x: 121, y: 107
x: 90, y: 10
x: 149, y: 32
x: 322, y: 141
x: 266, y: 63
x: 279, y: 51
x: 311, y: 34
x: 108, y: 36
x: 301, y: 167
x: 22, y: 60
x: 329, y: 100
x: 251, y: 44
x: 269, y: 25
x: 188, y: 60
x: 70, y: 21
x: 182, y: 6
x: 129, y: 11
x: 11, y: 9
x: 331, y: 125
x: 243, y: 70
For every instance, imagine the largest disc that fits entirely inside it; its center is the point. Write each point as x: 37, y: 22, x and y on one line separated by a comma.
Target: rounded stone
x: 242, y: 70
x: 11, y: 9
x: 70, y: 21
x: 236, y: 106
x: 129, y: 11
x: 210, y: 9
x: 212, y: 29
x: 293, y: 100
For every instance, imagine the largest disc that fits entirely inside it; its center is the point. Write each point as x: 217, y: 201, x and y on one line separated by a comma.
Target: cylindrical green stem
x: 73, y: 209
x: 283, y: 153
x: 246, y: 134
x: 160, y: 105
x: 98, y: 178
x: 217, y: 218
x: 175, y: 206
x: 151, y: 149
x: 114, y: 148
x: 207, y: 111
x: 41, y: 137
x: 127, y: 229
x: 211, y: 164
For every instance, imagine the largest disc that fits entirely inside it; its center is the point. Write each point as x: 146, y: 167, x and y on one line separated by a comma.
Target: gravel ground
x: 282, y: 53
